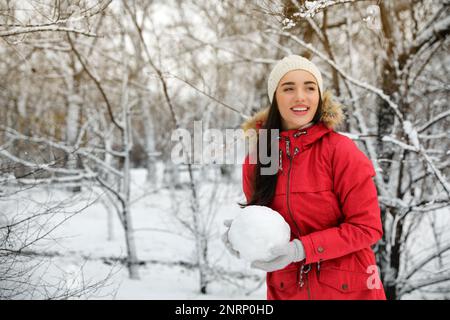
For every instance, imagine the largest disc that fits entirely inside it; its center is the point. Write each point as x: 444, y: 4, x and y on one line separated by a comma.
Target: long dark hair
x: 264, y: 185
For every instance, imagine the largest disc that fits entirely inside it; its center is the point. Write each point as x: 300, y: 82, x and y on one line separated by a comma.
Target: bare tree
x: 27, y: 226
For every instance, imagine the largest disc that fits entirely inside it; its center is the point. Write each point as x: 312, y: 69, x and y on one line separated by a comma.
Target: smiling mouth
x: 300, y: 111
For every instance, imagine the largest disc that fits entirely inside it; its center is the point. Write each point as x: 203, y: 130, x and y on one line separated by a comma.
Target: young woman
x: 323, y: 189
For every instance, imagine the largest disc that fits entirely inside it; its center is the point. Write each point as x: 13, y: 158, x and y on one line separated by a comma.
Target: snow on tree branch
x: 437, y: 30
x: 418, y: 148
x: 74, y: 15
x: 401, y: 144
x: 311, y: 8
x: 437, y: 118
x: 52, y: 28
x: 68, y: 149
x: 423, y: 261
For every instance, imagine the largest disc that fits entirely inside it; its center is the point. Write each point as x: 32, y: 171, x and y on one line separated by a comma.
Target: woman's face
x: 297, y: 91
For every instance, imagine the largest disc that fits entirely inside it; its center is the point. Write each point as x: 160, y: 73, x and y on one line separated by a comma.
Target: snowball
x: 256, y: 230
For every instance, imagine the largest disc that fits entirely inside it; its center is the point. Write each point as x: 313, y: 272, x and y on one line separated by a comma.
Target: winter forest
x: 92, y: 206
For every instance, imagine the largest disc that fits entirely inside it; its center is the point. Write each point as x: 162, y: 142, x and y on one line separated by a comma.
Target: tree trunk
x: 132, y: 261
x: 127, y: 139
x: 72, y: 123
x: 201, y: 243
x: 150, y: 143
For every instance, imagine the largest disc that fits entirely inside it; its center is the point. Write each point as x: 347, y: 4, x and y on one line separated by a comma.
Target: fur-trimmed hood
x: 332, y: 115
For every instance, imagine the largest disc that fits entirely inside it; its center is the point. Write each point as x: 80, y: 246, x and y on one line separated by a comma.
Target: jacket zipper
x: 307, y: 286
x: 288, y: 153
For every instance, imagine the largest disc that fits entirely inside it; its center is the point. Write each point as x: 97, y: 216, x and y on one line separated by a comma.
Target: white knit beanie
x: 289, y: 63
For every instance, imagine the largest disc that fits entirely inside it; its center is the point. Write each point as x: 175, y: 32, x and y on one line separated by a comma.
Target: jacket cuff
x: 314, y: 250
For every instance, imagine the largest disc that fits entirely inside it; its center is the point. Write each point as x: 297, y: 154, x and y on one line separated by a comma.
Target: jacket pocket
x: 282, y: 280
x: 344, y: 281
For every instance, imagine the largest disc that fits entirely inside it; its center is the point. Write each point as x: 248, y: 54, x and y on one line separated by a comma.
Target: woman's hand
x: 292, y: 252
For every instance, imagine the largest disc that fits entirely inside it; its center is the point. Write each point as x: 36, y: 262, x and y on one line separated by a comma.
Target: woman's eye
x: 311, y: 89
x: 287, y: 89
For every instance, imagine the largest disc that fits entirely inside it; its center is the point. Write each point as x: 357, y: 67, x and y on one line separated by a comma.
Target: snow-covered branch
x: 311, y: 8
x: 51, y: 28
x: 418, y: 266
x: 59, y: 24
x: 437, y: 30
x: 442, y: 179
x: 420, y: 150
x: 68, y: 149
x: 401, y: 144
x: 437, y: 118
x: 43, y: 166
x: 53, y: 180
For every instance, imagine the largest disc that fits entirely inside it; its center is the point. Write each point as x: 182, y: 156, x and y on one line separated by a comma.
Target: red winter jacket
x: 326, y: 194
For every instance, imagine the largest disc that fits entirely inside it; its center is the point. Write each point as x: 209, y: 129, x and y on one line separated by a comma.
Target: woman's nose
x: 299, y: 96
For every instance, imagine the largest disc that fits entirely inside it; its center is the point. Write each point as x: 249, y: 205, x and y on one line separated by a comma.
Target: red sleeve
x: 353, y: 185
x: 247, y: 178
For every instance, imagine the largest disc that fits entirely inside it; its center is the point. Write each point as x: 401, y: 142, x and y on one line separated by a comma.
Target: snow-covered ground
x: 80, y: 251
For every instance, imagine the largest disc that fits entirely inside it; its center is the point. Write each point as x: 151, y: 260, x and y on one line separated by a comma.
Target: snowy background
x: 83, y: 255
x: 92, y: 205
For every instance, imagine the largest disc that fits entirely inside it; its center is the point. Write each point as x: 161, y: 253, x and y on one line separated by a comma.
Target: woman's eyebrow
x: 293, y: 83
